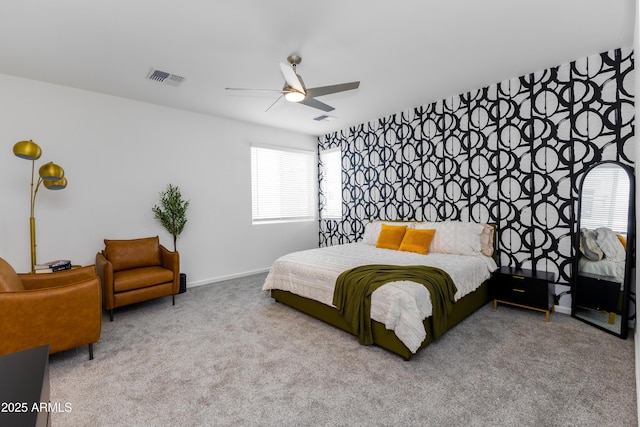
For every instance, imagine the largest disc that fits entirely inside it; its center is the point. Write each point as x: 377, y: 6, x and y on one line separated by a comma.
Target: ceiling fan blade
x: 326, y: 90
x: 291, y: 78
x: 311, y: 102
x: 274, y: 103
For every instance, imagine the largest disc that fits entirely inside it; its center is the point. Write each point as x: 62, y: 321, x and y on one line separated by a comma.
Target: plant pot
x: 183, y: 283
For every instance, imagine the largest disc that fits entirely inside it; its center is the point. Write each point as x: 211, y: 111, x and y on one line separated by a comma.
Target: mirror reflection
x: 604, y: 227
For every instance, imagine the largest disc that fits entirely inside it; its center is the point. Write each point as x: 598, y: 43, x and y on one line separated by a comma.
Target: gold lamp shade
x: 27, y: 150
x: 56, y: 185
x: 51, y: 172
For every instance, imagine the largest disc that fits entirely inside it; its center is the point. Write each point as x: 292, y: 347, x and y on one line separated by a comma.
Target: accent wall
x: 511, y: 154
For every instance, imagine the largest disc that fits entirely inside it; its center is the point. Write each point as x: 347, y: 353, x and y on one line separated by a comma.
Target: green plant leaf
x: 172, y: 211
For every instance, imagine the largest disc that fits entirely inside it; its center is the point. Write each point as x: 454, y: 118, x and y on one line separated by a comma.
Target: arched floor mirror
x: 604, y: 246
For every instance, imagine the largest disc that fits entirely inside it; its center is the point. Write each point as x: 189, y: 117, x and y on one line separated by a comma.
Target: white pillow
x: 372, y: 230
x: 455, y: 237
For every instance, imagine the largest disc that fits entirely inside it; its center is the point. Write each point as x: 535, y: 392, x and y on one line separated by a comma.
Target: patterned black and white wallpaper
x: 510, y: 154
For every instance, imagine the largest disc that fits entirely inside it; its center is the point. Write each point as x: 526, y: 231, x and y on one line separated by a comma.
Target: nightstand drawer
x: 521, y: 290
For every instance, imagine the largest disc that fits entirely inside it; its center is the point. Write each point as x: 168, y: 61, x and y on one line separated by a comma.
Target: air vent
x: 164, y: 77
x: 324, y: 118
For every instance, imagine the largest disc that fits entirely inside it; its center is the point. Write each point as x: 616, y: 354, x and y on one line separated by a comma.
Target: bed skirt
x: 383, y: 337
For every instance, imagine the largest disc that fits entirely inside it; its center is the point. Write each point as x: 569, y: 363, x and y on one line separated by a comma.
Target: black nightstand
x: 601, y: 293
x: 523, y: 288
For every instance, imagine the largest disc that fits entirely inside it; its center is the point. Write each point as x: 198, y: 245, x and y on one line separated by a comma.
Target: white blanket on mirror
x: 400, y: 306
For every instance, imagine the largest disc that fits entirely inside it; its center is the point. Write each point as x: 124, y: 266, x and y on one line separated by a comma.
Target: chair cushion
x: 138, y: 278
x: 135, y: 253
x: 9, y: 280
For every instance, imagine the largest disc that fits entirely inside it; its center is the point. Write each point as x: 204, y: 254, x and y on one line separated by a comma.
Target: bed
x: 401, y: 311
x: 602, y: 253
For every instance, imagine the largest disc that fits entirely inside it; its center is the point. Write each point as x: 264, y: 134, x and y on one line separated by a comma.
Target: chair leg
x: 111, y: 315
x: 91, y: 351
x: 174, y: 299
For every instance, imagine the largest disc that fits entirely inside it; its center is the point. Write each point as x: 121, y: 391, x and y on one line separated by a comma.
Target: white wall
x: 118, y: 155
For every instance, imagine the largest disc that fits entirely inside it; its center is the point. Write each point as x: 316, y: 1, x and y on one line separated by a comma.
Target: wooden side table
x: 523, y: 288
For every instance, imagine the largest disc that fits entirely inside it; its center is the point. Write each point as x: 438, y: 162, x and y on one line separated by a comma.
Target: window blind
x: 282, y: 184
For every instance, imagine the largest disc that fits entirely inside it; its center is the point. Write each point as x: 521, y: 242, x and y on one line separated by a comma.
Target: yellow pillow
x: 623, y: 240
x: 391, y: 236
x: 417, y: 240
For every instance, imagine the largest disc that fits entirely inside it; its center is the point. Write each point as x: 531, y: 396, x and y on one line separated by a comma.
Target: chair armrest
x: 64, y: 317
x: 58, y: 278
x: 104, y: 269
x: 171, y: 260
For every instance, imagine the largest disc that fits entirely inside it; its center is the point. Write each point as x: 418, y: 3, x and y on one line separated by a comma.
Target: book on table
x: 53, y: 269
x: 52, y: 266
x: 54, y: 263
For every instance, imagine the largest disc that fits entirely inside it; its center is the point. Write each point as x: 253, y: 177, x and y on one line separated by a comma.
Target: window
x: 282, y: 184
x: 331, y: 184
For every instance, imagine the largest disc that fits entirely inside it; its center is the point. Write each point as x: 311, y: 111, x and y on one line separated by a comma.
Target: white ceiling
x: 405, y: 53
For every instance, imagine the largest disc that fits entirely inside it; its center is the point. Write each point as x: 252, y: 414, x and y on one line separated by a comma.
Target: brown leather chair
x: 136, y: 270
x: 61, y: 309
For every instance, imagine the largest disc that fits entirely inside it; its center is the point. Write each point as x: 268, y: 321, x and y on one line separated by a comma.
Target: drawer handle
x: 519, y: 290
x: 518, y: 277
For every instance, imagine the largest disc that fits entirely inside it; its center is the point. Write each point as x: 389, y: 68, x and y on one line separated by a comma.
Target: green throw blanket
x: 352, y: 295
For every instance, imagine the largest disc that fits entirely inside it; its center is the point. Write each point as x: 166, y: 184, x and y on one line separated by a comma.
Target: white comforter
x: 400, y: 306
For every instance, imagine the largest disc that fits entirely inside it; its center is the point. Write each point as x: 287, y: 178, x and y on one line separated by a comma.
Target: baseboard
x: 223, y: 278
x: 562, y: 309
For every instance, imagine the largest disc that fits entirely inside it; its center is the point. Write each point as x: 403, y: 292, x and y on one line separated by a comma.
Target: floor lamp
x: 50, y: 175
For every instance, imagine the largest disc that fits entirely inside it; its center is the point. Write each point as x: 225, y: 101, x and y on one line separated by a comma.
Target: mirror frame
x: 629, y: 255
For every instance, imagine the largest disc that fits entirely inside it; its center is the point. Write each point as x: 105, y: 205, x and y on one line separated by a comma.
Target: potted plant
x: 172, y: 214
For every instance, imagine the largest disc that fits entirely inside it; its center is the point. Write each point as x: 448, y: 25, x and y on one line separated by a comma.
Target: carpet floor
x: 227, y: 355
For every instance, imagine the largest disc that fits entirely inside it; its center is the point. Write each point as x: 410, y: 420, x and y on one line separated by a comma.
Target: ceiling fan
x: 294, y: 89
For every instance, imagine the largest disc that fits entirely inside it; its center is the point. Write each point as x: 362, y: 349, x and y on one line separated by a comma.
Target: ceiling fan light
x: 294, y: 96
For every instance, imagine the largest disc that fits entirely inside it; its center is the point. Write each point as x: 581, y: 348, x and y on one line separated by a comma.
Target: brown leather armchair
x: 61, y: 309
x: 136, y: 270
